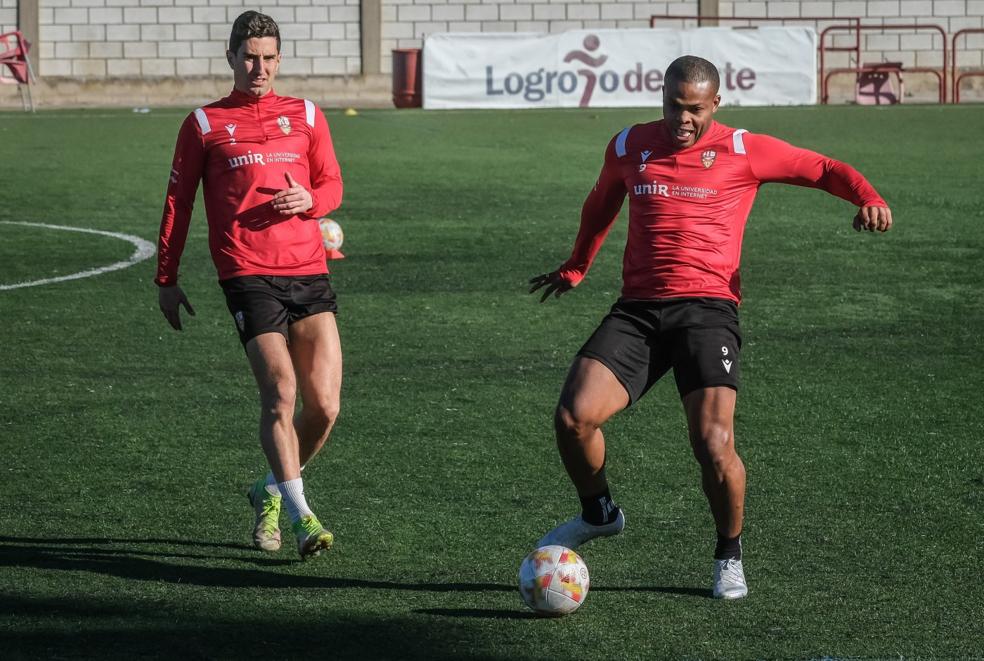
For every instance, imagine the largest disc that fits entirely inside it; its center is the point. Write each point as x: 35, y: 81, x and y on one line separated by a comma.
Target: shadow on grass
x: 686, y: 592
x: 132, y: 630
x: 132, y: 564
x: 116, y: 540
x: 488, y: 613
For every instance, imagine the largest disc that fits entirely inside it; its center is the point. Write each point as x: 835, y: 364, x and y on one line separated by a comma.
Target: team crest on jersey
x: 284, y: 124
x: 707, y: 158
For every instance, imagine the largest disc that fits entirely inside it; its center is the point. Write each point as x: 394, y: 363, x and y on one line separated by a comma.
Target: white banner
x: 615, y: 68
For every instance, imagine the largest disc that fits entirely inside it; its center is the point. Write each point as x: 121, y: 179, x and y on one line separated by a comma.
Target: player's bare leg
x: 274, y: 378
x: 273, y: 368
x: 316, y: 353
x: 590, y: 396
x: 270, y: 361
x: 710, y: 419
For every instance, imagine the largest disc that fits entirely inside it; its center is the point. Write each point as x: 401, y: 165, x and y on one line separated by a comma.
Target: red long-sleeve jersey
x: 688, y: 208
x: 240, y: 147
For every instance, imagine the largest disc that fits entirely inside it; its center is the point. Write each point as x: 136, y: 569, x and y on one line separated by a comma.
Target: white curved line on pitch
x: 144, y: 250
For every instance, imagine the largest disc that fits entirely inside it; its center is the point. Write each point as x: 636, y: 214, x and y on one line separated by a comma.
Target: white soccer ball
x: 331, y: 234
x: 553, y: 580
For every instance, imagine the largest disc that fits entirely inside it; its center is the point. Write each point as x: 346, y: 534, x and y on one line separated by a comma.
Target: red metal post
x: 940, y: 74
x: 955, y: 94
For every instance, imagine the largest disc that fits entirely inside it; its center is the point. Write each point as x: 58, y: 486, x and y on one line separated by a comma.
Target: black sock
x: 599, y: 509
x: 728, y: 548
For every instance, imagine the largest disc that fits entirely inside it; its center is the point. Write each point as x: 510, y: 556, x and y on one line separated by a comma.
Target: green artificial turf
x: 127, y: 446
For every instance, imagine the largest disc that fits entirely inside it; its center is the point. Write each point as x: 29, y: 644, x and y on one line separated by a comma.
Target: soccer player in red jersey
x: 269, y: 172
x: 691, y: 183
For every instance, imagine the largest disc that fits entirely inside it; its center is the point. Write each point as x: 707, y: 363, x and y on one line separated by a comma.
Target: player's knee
x: 279, y: 399
x: 570, y: 423
x: 713, y: 445
x: 323, y: 412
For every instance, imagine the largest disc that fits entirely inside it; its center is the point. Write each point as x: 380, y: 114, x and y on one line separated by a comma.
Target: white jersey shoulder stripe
x: 620, y: 141
x: 202, y: 121
x: 739, y: 141
x: 309, y: 108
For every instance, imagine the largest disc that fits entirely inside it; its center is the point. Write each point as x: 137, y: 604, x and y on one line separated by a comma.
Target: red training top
x: 241, y: 147
x: 688, y: 207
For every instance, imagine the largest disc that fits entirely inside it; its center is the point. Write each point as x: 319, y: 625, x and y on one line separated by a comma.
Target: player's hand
x: 292, y: 200
x: 873, y: 218
x: 553, y: 283
x: 170, y: 299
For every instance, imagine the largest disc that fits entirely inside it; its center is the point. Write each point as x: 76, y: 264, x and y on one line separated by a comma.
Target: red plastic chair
x: 879, y: 84
x: 15, y: 66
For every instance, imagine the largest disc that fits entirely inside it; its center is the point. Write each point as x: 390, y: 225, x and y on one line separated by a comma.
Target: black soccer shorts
x: 639, y: 341
x: 264, y: 303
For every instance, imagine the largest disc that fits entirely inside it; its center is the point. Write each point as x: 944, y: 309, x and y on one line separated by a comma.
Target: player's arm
x: 598, y: 214
x: 773, y: 160
x: 179, y: 201
x: 324, y: 193
x: 326, y: 176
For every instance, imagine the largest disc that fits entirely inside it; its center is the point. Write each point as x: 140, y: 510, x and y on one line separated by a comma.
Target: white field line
x: 144, y: 250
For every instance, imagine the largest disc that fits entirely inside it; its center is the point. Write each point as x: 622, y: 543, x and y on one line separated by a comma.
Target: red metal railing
x: 859, y: 68
x: 853, y: 25
x: 955, y: 95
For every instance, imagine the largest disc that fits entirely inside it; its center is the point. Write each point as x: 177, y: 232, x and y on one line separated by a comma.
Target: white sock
x: 293, y: 493
x: 271, y: 483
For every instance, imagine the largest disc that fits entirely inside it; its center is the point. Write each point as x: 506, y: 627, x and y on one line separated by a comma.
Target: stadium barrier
x: 852, y: 25
x: 874, y: 86
x: 860, y: 69
x: 771, y: 65
x: 955, y: 94
x: 13, y: 59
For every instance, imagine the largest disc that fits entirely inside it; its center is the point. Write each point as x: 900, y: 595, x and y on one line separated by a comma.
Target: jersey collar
x: 703, y: 139
x: 244, y: 98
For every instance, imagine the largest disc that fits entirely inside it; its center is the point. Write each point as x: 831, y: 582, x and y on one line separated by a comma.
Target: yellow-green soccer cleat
x: 312, y: 538
x: 266, y: 529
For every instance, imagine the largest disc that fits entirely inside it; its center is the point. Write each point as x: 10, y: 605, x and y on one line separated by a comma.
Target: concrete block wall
x: 914, y: 48
x: 8, y: 16
x: 108, y: 41
x: 96, y: 39
x: 406, y: 22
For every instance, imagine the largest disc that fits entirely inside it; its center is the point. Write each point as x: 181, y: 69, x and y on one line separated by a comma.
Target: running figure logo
x: 591, y: 43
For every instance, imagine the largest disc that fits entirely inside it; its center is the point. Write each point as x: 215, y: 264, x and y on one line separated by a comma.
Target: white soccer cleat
x: 729, y: 579
x: 577, y: 531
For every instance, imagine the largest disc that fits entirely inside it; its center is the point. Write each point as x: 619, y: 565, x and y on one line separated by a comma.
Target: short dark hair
x: 692, y: 69
x: 252, y: 24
